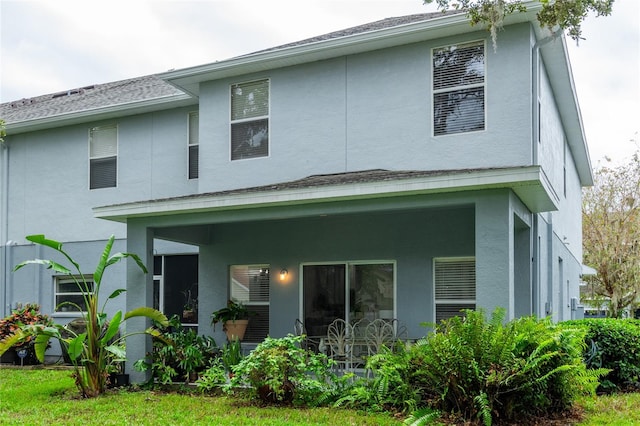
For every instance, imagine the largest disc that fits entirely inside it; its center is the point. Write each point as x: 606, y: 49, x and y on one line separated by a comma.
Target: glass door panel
x: 324, y: 296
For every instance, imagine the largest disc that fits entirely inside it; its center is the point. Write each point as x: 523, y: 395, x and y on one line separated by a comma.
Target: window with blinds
x: 250, y: 286
x: 193, y: 145
x: 250, y: 120
x: 103, y: 157
x: 459, y: 88
x: 455, y: 286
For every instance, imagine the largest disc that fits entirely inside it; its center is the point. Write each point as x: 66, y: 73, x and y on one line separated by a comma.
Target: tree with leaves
x: 611, y: 236
x: 564, y: 14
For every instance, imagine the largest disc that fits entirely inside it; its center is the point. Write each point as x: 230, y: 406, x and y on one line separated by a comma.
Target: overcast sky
x: 53, y: 45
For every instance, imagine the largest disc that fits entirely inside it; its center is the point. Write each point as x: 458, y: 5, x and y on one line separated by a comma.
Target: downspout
x: 4, y: 228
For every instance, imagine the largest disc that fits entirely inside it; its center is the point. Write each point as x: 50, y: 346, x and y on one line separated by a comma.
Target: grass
x: 49, y: 397
x: 614, y: 410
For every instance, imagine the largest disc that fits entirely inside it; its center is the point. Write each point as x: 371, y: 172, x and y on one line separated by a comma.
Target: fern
x: 422, y: 416
x: 484, y: 408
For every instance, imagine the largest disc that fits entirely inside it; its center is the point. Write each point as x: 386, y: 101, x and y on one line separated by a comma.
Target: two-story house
x: 400, y: 169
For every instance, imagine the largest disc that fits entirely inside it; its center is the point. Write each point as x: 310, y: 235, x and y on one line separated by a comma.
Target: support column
x: 494, y: 253
x: 139, y: 293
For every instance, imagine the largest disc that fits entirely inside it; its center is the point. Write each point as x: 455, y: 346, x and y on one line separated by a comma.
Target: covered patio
x: 371, y: 245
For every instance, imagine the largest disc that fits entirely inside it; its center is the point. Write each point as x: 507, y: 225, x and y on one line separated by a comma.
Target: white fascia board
x: 100, y: 113
x: 529, y: 183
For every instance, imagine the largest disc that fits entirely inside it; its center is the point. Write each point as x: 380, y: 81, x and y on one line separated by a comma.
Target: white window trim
x: 452, y: 89
x: 450, y: 301
x: 116, y: 155
x: 347, y: 263
x: 247, y: 120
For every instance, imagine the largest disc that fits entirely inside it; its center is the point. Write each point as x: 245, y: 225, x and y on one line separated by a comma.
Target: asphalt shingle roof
x: 151, y: 86
x: 323, y: 180
x: 87, y: 98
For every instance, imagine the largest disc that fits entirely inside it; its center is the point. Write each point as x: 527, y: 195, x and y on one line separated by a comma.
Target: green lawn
x: 49, y: 397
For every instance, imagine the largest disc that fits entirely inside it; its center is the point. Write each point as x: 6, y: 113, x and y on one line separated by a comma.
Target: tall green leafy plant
x: 484, y: 369
x: 92, y: 351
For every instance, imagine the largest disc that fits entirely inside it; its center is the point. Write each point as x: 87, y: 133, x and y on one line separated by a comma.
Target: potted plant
x: 234, y: 318
x: 190, y: 308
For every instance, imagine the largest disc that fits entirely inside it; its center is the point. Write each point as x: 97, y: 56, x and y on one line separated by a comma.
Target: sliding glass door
x: 349, y: 290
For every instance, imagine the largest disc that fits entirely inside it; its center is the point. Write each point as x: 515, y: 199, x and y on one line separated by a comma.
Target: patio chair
x: 359, y: 351
x: 307, y: 343
x: 340, y: 344
x: 400, y: 330
x: 379, y: 334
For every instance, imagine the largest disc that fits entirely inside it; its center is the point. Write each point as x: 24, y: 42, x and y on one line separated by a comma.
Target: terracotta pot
x: 235, y: 329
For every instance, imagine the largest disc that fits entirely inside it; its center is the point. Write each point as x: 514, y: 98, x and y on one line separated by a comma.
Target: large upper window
x: 103, y: 157
x: 68, y: 294
x: 455, y: 282
x: 459, y: 88
x: 193, y: 145
x: 250, y: 286
x: 250, y: 120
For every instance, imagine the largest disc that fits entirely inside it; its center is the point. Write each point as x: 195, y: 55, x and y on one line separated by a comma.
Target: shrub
x: 280, y: 371
x: 19, y: 318
x: 388, y: 390
x: 484, y: 370
x: 178, y: 353
x: 614, y: 344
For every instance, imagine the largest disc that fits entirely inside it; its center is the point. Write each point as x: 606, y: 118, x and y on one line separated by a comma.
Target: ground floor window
x: 175, y: 286
x: 455, y: 286
x: 249, y: 285
x: 350, y: 291
x: 68, y: 295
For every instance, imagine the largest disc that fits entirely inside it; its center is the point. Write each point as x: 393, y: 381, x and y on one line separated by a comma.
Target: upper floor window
x: 103, y: 157
x: 459, y: 88
x: 250, y: 120
x: 193, y: 144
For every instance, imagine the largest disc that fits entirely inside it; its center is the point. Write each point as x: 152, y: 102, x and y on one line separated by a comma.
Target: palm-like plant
x: 91, y: 352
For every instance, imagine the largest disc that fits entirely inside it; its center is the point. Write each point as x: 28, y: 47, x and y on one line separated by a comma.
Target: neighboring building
x: 401, y: 169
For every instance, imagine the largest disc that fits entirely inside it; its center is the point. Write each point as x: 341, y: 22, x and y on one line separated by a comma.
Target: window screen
x: 458, y: 89
x: 103, y: 157
x: 193, y: 145
x: 250, y: 120
x: 455, y: 286
x: 250, y: 286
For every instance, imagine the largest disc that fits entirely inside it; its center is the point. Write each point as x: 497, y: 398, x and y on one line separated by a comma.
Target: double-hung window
x: 250, y: 286
x: 103, y: 157
x: 455, y: 286
x: 193, y: 145
x: 459, y: 88
x: 68, y: 294
x: 250, y: 120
